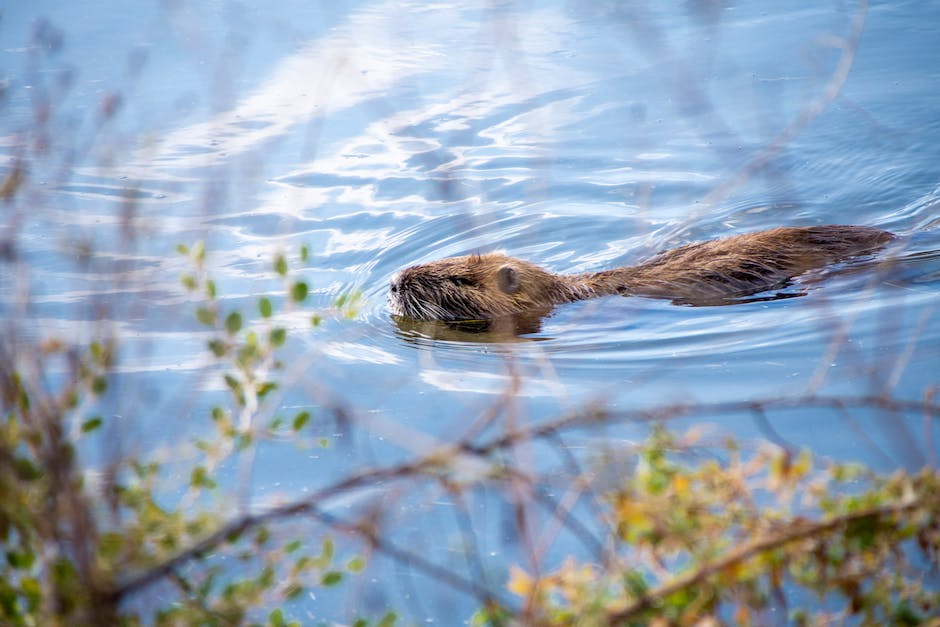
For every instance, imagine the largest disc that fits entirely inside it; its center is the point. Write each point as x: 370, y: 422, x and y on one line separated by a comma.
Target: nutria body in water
x: 482, y: 287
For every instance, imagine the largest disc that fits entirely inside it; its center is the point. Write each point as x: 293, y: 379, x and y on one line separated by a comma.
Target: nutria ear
x: 508, y: 279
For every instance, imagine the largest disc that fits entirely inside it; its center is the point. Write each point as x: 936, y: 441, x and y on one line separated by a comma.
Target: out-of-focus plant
x: 749, y: 541
x: 85, y: 552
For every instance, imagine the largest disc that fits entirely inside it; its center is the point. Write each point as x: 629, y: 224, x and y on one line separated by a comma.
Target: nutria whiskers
x: 481, y: 287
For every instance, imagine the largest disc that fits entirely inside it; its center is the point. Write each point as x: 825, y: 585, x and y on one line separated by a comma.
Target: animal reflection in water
x: 495, y: 293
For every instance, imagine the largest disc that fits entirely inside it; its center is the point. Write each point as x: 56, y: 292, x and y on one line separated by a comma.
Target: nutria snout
x: 481, y: 287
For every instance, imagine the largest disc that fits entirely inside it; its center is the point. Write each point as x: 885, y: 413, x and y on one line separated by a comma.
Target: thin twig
x: 432, y: 463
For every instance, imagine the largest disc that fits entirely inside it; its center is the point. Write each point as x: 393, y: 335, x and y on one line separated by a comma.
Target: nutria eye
x: 460, y: 280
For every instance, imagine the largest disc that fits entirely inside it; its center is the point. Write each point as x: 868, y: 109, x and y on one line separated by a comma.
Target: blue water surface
x: 578, y: 135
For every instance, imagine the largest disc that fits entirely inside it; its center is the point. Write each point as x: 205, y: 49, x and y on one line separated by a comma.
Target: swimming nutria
x: 481, y: 287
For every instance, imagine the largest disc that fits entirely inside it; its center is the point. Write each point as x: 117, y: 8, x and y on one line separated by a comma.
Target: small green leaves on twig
x: 301, y: 419
x: 743, y: 541
x: 347, y: 303
x: 233, y: 323
x: 200, y: 478
x: 278, y: 336
x: 298, y: 291
x: 99, y: 385
x: 206, y: 316
x: 280, y: 265
x: 91, y: 424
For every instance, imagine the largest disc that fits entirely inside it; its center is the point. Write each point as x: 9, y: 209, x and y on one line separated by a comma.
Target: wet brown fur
x: 480, y: 287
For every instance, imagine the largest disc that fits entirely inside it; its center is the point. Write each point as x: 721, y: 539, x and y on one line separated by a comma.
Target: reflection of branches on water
x: 848, y: 46
x: 881, y: 371
x: 693, y: 100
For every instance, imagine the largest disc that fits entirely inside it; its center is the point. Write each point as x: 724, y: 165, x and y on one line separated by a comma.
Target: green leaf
x: 328, y: 550
x: 280, y: 265
x: 100, y: 353
x: 355, y: 565
x: 206, y: 316
x: 182, y: 249
x: 262, y: 536
x: 301, y: 419
x: 91, y: 424
x: 244, y: 440
x: 110, y: 544
x: 20, y: 560
x: 264, y: 307
x: 276, y: 618
x: 292, y: 591
x: 635, y: 583
x: 199, y: 251
x: 863, y: 530
x: 22, y: 401
x: 236, y: 387
x: 32, y: 592
x: 388, y: 620
x: 210, y: 289
x: 267, y: 577
x: 188, y: 281
x: 233, y: 323
x: 26, y: 470
x: 292, y: 546
x: 99, y: 385
x: 218, y: 347
x: 299, y: 291
x: 233, y: 383
x: 905, y: 614
x: 264, y: 388
x: 247, y: 354
x: 200, y: 478
x: 304, y: 253
x: 331, y: 578
x: 278, y: 336
x: 316, y: 320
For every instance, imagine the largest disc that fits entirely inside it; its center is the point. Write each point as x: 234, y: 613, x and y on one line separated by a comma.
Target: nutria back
x: 480, y: 287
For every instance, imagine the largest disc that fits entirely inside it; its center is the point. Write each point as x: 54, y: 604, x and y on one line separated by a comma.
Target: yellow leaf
x: 520, y: 582
x: 680, y: 484
x: 631, y: 512
x: 733, y: 572
x: 803, y: 465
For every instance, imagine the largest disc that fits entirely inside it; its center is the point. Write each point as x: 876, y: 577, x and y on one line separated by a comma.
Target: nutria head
x: 475, y: 287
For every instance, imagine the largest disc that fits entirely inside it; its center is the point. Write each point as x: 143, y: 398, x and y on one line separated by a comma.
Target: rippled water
x: 580, y: 136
